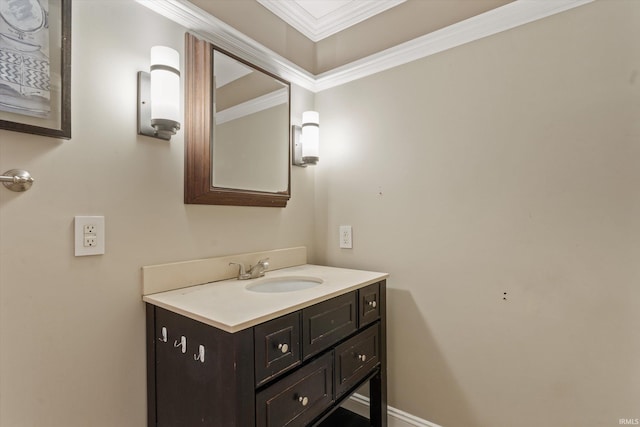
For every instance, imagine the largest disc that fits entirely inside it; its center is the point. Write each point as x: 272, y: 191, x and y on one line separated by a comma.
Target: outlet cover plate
x: 346, y: 239
x: 89, y: 227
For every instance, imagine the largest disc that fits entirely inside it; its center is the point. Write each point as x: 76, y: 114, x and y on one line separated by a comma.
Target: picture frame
x: 35, y: 67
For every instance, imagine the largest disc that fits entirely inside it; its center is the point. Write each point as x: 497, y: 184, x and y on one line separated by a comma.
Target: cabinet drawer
x: 298, y: 398
x: 277, y: 347
x: 369, y: 302
x: 355, y: 358
x: 327, y: 323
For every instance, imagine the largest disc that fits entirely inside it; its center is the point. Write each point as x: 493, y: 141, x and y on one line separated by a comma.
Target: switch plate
x: 89, y: 235
x: 346, y: 241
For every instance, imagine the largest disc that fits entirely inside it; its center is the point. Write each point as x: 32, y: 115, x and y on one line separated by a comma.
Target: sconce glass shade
x: 159, y: 95
x: 310, y: 137
x: 165, y: 89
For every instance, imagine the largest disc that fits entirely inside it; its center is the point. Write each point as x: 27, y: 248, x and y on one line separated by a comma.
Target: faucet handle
x: 242, y: 274
x: 258, y: 269
x: 262, y: 265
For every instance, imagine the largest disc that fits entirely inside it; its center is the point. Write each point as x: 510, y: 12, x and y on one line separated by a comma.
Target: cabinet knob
x: 362, y: 357
x: 283, y: 348
x: 373, y: 304
x: 304, y: 400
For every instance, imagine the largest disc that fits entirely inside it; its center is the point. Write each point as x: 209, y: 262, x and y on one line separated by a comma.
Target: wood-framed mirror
x: 237, y: 130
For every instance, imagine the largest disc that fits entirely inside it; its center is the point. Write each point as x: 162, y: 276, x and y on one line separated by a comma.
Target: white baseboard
x: 397, y: 418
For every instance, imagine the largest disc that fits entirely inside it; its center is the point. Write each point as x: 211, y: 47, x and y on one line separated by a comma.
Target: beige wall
x: 506, y: 165
x: 510, y: 164
x: 72, y: 350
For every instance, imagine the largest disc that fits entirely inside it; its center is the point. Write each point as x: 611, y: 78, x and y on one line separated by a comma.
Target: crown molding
x: 512, y: 15
x: 495, y: 21
x: 317, y: 29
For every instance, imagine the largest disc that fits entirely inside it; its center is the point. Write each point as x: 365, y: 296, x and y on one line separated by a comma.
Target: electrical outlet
x: 89, y: 235
x: 346, y: 240
x: 90, y: 240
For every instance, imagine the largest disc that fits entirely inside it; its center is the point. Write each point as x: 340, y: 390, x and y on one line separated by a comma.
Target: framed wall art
x: 35, y: 67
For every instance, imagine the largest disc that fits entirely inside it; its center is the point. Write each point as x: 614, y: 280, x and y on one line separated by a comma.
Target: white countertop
x: 229, y: 306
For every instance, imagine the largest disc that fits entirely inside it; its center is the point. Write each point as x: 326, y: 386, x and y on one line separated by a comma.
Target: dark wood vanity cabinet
x: 294, y: 370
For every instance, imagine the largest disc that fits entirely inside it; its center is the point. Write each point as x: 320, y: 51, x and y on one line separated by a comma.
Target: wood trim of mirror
x: 197, y: 139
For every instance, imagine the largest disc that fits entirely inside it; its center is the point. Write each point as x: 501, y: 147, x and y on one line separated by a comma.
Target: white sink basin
x: 284, y: 284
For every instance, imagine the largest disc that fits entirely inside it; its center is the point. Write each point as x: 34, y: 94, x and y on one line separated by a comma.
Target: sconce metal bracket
x: 145, y: 126
x: 296, y: 137
x: 144, y: 105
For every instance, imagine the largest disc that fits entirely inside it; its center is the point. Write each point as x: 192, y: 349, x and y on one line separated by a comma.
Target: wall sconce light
x: 159, y: 95
x: 306, y: 140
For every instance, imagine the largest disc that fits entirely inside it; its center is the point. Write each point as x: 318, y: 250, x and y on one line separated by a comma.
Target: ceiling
x: 319, y: 19
x: 321, y: 35
x: 344, y: 40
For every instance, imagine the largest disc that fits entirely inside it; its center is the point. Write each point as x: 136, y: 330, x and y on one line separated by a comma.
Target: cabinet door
x: 355, y: 358
x: 277, y: 347
x: 328, y: 322
x: 299, y: 397
x: 176, y: 402
x: 190, y: 392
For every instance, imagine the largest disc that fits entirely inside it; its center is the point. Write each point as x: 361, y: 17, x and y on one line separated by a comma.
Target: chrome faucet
x: 255, y: 271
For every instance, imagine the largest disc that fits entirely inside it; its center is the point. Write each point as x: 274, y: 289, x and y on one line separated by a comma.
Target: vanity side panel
x: 215, y: 393
x: 378, y: 384
x: 151, y: 364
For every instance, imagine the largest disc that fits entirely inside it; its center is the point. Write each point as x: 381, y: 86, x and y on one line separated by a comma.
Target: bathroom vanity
x: 228, y: 354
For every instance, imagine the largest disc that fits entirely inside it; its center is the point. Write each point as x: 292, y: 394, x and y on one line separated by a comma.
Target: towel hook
x: 17, y: 180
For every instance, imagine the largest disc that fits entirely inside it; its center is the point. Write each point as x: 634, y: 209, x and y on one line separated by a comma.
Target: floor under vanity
x: 222, y: 355
x: 345, y: 418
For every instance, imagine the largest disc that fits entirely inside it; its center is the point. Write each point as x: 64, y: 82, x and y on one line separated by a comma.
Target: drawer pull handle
x: 283, y: 348
x: 304, y: 400
x: 362, y: 357
x: 373, y: 304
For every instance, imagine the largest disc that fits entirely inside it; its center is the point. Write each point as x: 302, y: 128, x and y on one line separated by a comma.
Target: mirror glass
x: 250, y: 149
x: 237, y: 130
